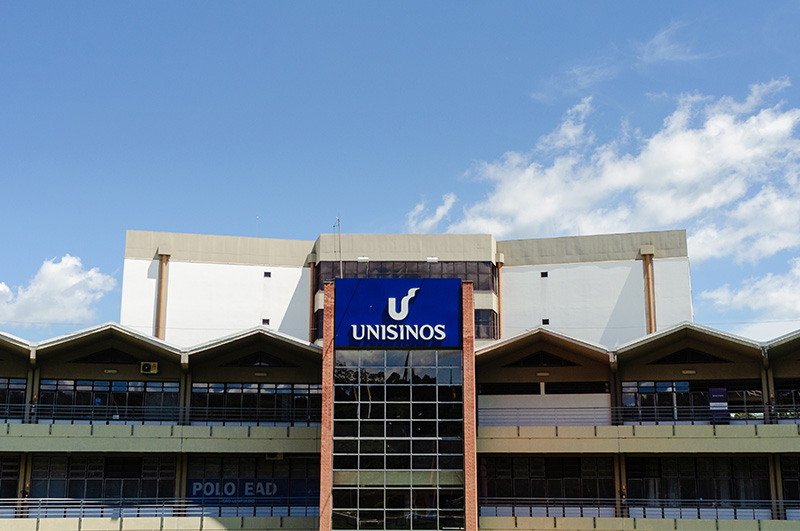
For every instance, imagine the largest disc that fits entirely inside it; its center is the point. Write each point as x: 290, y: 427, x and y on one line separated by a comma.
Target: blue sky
x: 523, y: 119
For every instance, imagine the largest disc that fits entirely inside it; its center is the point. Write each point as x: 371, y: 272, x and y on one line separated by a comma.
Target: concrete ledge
x: 769, y: 438
x: 161, y: 524
x: 158, y: 439
x: 509, y: 523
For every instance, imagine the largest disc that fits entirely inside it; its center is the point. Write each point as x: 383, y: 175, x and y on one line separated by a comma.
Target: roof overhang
x: 692, y: 332
x: 539, y: 336
x: 104, y: 332
x: 283, y: 343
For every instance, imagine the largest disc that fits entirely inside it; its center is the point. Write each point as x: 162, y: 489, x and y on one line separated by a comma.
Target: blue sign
x: 398, y: 312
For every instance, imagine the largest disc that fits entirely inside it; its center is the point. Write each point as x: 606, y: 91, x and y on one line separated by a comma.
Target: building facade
x: 373, y: 392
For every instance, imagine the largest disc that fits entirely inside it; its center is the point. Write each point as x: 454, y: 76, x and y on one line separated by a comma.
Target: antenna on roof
x: 256, y: 226
x: 339, y: 227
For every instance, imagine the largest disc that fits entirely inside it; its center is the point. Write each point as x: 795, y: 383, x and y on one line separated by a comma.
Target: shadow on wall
x: 620, y: 328
x: 295, y: 320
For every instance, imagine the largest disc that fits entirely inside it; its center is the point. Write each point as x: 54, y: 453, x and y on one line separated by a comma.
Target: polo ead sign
x: 420, y: 312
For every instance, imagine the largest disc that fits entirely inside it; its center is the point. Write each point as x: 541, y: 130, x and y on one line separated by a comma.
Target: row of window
x: 482, y: 274
x: 728, y: 479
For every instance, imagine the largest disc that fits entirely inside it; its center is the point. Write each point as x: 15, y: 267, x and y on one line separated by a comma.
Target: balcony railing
x: 170, y: 415
x: 641, y: 508
x: 641, y: 415
x: 149, y: 507
x: 304, y: 416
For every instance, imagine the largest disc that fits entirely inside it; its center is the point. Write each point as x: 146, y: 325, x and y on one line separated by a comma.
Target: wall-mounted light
x: 110, y: 371
x: 260, y: 374
x: 432, y: 259
x: 688, y: 371
x: 542, y: 374
x: 362, y: 259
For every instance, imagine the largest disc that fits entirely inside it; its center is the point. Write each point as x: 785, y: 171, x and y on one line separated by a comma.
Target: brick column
x: 326, y: 441
x: 470, y: 409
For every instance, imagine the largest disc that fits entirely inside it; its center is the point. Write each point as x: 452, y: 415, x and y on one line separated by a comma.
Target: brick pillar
x: 470, y: 409
x: 326, y: 441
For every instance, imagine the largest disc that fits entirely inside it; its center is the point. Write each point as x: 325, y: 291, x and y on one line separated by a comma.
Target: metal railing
x: 640, y: 415
x: 641, y: 508
x: 156, y: 507
x: 170, y: 415
x: 308, y: 416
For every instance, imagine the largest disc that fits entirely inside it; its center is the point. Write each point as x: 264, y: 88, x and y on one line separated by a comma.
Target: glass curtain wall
x: 398, y: 447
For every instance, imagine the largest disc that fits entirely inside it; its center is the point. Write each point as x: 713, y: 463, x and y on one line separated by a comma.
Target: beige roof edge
x: 498, y: 345
x: 241, y: 250
x: 593, y: 248
x: 406, y: 247
x: 218, y: 342
x: 710, y: 332
x: 130, y: 332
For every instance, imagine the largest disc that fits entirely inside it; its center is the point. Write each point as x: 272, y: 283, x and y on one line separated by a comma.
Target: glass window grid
x: 787, y: 397
x: 107, y: 400
x: 725, y: 479
x: 398, y: 508
x: 482, y: 274
x: 546, y: 477
x: 679, y: 399
x: 258, y: 403
x: 362, y: 391
x: 97, y: 477
x: 12, y: 398
x: 486, y: 324
x: 9, y: 476
x: 790, y: 475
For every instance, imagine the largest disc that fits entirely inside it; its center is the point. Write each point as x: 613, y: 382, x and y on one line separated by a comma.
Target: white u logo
x: 403, y: 313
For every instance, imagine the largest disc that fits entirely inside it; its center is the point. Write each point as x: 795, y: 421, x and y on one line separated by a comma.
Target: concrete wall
x: 206, y: 301
x: 602, y: 302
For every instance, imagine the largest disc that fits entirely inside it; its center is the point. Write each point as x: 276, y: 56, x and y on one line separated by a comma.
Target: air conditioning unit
x: 274, y: 456
x: 148, y: 367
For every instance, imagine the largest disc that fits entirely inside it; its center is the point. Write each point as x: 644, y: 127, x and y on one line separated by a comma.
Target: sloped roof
x: 260, y: 333
x: 692, y: 331
x: 104, y: 331
x: 538, y: 335
x: 15, y: 344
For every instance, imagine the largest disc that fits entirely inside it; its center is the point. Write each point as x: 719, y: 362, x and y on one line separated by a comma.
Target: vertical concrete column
x: 311, y: 322
x: 620, y: 483
x: 647, y: 252
x: 161, y: 300
x: 31, y: 385
x: 470, y: 408
x: 776, y: 485
x: 500, y: 258
x: 326, y: 441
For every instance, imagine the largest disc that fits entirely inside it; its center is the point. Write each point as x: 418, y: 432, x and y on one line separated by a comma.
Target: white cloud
x: 726, y: 170
x: 60, y: 292
x: 775, y: 298
x: 665, y: 47
x: 418, y: 222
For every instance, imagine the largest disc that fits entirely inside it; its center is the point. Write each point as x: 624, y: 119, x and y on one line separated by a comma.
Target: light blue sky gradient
x: 201, y: 117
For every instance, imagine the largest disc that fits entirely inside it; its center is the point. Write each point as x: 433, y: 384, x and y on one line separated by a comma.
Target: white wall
x: 602, y: 302
x: 673, y: 292
x: 206, y: 301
